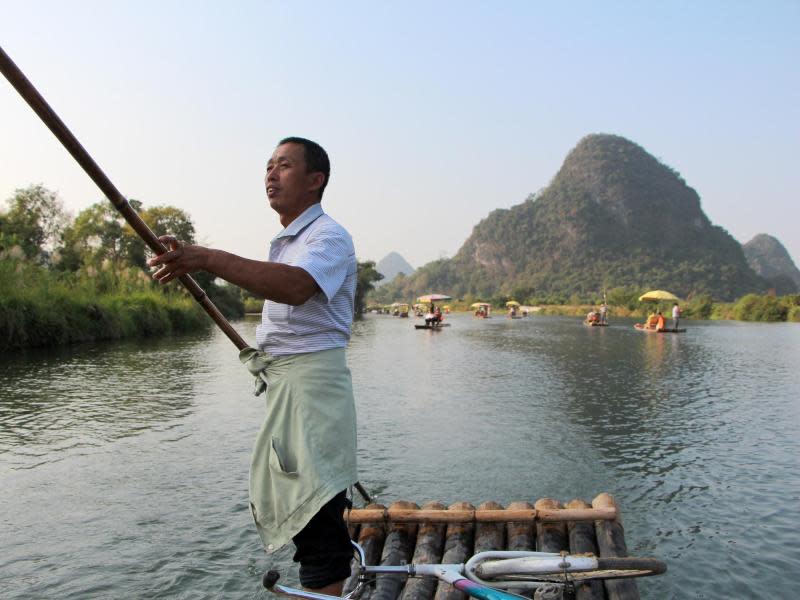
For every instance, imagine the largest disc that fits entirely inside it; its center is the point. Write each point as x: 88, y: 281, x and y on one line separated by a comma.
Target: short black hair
x: 316, y: 158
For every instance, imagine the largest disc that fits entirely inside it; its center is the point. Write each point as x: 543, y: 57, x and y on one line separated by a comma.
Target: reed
x: 39, y: 307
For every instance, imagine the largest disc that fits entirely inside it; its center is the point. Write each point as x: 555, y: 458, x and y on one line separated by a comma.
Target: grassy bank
x: 767, y: 309
x: 42, y: 308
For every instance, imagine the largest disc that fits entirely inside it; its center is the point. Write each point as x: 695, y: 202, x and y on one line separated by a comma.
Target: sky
x: 433, y: 114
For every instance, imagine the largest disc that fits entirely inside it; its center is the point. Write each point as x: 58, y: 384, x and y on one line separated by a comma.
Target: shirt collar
x: 307, y: 217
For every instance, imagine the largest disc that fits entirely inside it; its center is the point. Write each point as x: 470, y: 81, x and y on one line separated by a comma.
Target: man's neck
x: 287, y: 218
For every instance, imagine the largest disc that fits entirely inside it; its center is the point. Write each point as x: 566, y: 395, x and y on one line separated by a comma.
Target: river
x: 123, y: 466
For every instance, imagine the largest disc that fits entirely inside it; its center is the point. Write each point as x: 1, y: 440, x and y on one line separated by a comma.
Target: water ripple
x: 124, y: 466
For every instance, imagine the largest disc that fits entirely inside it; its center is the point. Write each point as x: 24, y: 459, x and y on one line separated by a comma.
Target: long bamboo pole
x: 31, y: 95
x: 398, y: 515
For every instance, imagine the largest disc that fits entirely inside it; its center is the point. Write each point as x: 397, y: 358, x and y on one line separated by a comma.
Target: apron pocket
x: 281, y: 462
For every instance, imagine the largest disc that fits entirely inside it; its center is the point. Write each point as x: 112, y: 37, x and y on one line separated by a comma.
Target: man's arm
x: 274, y: 281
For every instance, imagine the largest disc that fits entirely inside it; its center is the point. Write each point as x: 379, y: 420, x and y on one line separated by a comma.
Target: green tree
x: 95, y: 236
x: 367, y: 276
x: 100, y: 234
x: 34, y: 221
x: 162, y: 220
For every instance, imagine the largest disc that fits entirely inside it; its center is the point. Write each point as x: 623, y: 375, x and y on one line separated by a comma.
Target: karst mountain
x: 769, y: 258
x: 612, y: 216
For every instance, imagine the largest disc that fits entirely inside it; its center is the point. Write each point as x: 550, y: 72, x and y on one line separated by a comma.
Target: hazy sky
x: 433, y: 114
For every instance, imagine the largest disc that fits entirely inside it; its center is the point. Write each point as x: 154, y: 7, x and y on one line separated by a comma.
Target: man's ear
x: 317, y: 179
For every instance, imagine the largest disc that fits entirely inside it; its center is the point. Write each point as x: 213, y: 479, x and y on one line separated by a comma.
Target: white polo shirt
x: 323, y: 248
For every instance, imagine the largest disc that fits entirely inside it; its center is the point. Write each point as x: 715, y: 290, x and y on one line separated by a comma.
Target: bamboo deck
x: 434, y: 533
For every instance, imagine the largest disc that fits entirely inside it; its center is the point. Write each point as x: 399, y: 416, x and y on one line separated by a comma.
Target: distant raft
x: 640, y: 327
x: 432, y: 326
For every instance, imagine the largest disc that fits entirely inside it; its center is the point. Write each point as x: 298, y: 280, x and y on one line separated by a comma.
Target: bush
x: 228, y: 299
x: 699, y: 307
x: 760, y: 308
x: 723, y: 311
x: 625, y: 296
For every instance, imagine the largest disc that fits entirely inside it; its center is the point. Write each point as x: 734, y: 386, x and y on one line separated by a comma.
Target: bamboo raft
x: 434, y: 533
x: 640, y: 327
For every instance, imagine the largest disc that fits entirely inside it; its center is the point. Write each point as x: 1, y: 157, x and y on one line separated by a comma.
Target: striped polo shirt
x: 323, y: 248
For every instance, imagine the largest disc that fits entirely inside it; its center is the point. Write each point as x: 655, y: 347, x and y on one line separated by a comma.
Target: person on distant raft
x: 660, y: 322
x: 604, y: 314
x: 305, y: 454
x: 676, y: 315
x: 433, y: 316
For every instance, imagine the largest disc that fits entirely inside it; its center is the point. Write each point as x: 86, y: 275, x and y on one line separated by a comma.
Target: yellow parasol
x: 427, y: 299
x: 479, y: 304
x: 658, y: 296
x: 512, y: 303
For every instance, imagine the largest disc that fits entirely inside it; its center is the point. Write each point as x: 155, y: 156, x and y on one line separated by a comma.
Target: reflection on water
x: 87, y: 396
x: 684, y: 430
x: 124, y: 466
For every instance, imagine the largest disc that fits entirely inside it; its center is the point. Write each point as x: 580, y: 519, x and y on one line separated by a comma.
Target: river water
x: 123, y: 466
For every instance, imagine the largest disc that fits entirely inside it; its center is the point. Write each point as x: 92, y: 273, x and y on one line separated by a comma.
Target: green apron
x: 305, y: 453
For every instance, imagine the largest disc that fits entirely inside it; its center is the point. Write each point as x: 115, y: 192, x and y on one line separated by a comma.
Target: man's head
x: 297, y: 174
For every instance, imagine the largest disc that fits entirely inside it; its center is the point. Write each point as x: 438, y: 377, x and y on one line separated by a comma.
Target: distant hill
x: 392, y: 265
x: 612, y: 216
x: 769, y: 258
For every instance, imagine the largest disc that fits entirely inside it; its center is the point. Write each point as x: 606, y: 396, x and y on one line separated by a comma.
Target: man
x: 604, y: 314
x: 305, y: 454
x: 430, y: 316
x: 676, y: 316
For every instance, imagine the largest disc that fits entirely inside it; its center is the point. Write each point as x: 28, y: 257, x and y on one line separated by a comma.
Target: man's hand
x: 274, y: 281
x: 178, y: 260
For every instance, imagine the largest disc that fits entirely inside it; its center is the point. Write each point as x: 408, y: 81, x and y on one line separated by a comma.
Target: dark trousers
x: 323, y: 546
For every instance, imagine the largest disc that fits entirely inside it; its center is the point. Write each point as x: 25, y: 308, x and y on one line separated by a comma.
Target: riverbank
x: 766, y: 309
x: 39, y: 308
x: 752, y: 307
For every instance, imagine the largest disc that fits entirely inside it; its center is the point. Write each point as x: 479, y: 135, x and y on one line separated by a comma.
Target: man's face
x: 289, y: 187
